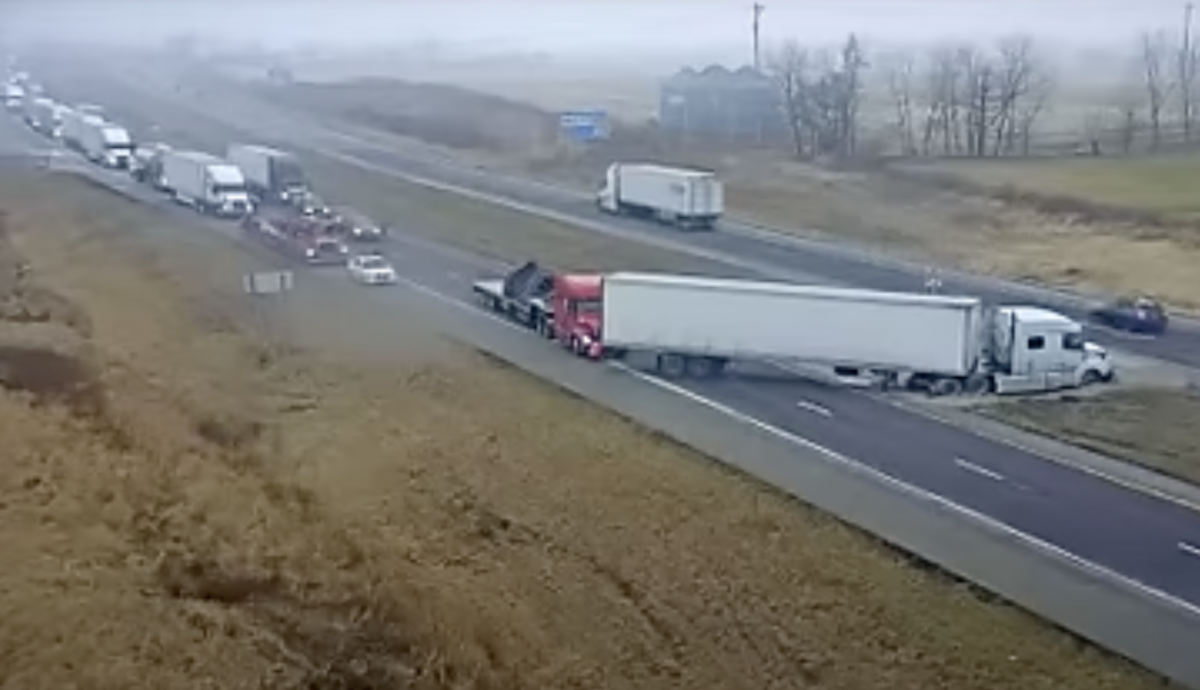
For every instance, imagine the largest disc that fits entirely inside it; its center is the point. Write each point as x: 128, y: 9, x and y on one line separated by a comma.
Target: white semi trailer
x: 689, y: 199
x: 74, y: 123
x: 271, y: 175
x: 695, y: 326
x: 206, y: 183
x: 106, y: 144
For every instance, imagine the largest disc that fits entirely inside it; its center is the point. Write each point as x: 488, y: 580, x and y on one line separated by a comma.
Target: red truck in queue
x: 695, y: 326
x: 307, y: 239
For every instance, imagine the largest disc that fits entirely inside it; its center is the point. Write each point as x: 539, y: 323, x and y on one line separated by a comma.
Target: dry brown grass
x: 1149, y: 427
x: 906, y: 216
x: 206, y: 515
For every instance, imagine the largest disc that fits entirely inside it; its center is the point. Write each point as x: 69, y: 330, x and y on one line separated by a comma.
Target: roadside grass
x: 1152, y: 428
x: 1160, y: 185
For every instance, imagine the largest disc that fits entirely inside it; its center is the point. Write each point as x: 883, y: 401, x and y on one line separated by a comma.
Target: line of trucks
x: 691, y: 326
x: 263, y: 187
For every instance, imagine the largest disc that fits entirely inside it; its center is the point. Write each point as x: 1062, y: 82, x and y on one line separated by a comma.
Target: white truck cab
x: 1036, y: 349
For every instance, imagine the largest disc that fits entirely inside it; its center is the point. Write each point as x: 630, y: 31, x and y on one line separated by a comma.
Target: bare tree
x: 1155, y: 57
x: 1186, y: 73
x: 941, y: 131
x: 822, y: 96
x: 789, y: 68
x: 900, y: 77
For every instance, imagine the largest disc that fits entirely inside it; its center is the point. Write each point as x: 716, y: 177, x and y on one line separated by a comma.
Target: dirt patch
x: 323, y: 519
x: 1152, y: 428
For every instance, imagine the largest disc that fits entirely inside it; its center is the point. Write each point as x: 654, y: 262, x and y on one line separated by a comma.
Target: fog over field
x: 714, y: 27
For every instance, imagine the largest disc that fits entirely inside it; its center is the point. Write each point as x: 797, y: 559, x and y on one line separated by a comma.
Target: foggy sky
x: 583, y: 26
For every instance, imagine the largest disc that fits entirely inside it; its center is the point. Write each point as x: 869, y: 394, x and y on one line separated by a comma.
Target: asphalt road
x: 772, y: 253
x: 1129, y: 541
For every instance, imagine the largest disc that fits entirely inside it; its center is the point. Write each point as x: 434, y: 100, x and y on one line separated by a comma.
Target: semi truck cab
x: 578, y: 313
x: 1036, y: 349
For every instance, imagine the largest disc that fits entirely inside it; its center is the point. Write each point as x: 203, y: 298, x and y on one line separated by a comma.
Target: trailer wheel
x: 977, y: 384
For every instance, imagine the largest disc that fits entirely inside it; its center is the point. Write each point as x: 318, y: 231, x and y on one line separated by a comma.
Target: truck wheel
x: 672, y: 365
x: 1091, y: 377
x: 704, y: 367
x: 944, y: 387
x: 977, y: 385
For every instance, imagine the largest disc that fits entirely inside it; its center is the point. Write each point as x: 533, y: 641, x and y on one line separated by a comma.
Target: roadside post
x: 267, y: 290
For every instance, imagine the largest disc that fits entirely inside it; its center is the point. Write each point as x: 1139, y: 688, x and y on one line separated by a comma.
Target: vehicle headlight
x: 310, y: 252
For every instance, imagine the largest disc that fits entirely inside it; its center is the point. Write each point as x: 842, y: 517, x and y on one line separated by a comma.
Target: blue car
x: 1135, y: 315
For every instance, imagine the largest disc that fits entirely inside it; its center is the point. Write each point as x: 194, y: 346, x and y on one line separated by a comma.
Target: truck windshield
x: 228, y: 189
x: 289, y: 173
x: 1072, y: 341
x: 586, y: 306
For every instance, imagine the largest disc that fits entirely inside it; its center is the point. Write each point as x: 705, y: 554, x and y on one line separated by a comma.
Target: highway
x: 1124, y: 544
x: 773, y: 253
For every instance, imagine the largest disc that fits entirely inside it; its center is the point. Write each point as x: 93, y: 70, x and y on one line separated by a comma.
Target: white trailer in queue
x: 205, y: 182
x: 73, y: 126
x: 272, y: 175
x: 695, y: 326
x: 689, y: 199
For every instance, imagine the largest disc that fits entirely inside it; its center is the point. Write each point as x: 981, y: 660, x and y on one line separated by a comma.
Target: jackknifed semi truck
x: 689, y: 326
x: 688, y: 199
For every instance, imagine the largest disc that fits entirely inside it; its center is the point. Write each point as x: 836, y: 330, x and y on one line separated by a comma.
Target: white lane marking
x: 978, y: 469
x: 866, y: 471
x: 1189, y: 549
x: 1029, y: 449
x: 814, y: 408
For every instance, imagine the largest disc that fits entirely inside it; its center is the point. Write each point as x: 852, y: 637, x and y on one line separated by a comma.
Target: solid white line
x: 1189, y: 549
x: 979, y: 469
x: 866, y: 471
x: 814, y: 408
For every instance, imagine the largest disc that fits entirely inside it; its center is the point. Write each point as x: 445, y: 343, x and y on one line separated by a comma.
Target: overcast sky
x: 586, y: 25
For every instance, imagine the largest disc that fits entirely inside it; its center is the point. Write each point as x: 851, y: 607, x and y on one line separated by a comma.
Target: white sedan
x: 372, y: 269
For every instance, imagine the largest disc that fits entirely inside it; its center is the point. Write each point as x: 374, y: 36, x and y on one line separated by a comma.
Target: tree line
x: 977, y: 101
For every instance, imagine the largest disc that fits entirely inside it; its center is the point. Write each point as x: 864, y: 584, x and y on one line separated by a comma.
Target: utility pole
x: 759, y: 8
x: 1187, y: 68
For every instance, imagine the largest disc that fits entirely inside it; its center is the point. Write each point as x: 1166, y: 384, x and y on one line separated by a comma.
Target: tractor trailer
x: 688, y: 199
x: 206, y: 183
x: 271, y: 175
x: 105, y: 143
x: 696, y: 326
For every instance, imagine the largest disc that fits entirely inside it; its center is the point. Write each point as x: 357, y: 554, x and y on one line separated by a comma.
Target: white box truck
x: 206, y: 183
x: 271, y: 175
x: 695, y: 326
x: 106, y: 144
x: 689, y: 199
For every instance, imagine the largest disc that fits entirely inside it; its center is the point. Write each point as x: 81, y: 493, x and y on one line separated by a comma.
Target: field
x: 220, y: 506
x: 1145, y: 427
x: 1161, y: 186
x: 920, y: 216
